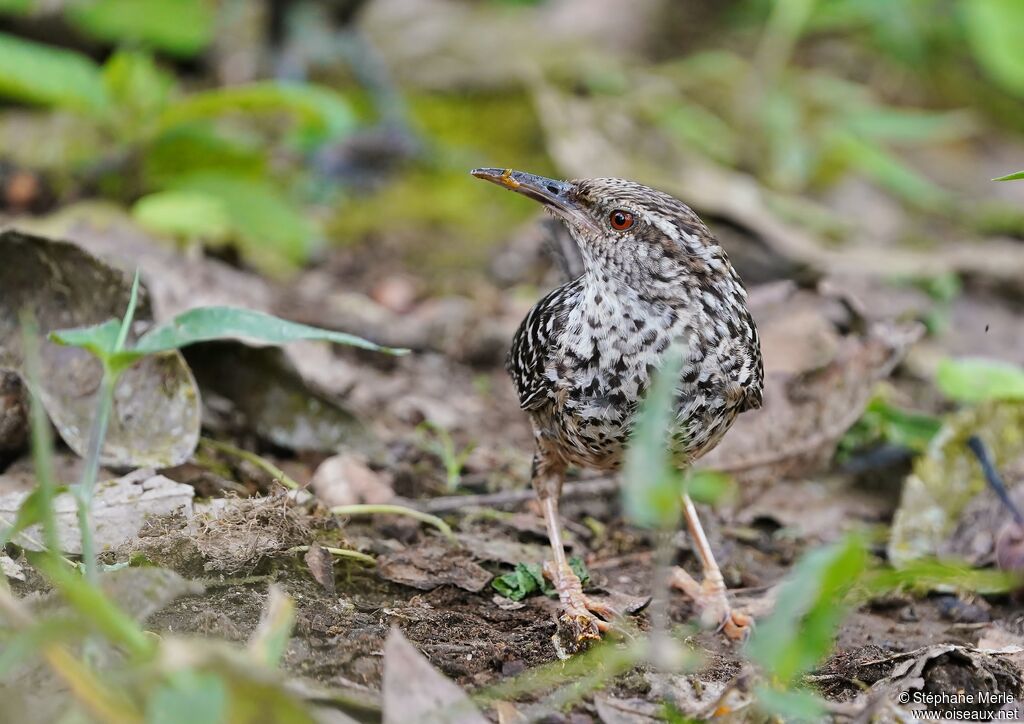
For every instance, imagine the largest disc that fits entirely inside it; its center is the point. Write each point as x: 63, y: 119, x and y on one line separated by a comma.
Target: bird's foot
x: 578, y: 626
x: 712, y: 602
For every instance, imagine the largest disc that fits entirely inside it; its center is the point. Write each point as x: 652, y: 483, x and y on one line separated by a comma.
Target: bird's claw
x: 578, y: 626
x: 712, y: 602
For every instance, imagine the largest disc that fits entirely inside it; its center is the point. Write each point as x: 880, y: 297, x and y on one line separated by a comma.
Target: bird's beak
x: 555, y: 195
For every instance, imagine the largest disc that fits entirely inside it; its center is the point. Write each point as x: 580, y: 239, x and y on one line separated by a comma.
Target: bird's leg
x: 710, y: 594
x: 578, y: 624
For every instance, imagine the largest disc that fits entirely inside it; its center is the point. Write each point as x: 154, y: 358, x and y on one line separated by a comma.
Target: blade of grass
x: 427, y: 518
x: 265, y: 465
x: 340, y: 553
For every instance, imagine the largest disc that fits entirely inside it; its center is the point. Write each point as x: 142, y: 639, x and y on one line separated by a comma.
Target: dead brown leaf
x: 414, y: 691
x: 346, y: 479
x: 321, y: 566
x: 433, y: 564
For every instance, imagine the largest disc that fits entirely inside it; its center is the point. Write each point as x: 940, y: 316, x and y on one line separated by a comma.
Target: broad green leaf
x: 186, y: 214
x: 974, y: 379
x: 809, y: 609
x: 1011, y: 176
x: 42, y: 74
x: 187, y: 149
x: 652, y: 485
x: 179, y: 27
x: 993, y: 32
x: 272, y: 233
x: 211, y: 323
x: 922, y: 576
x: 189, y: 696
x: 318, y: 109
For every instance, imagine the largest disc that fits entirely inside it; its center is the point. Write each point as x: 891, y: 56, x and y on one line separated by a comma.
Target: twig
x: 447, y: 503
x: 266, y: 466
x: 433, y: 520
x: 340, y: 553
x: 995, y: 481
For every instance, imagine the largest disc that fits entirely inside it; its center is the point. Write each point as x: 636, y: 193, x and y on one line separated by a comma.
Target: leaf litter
x: 439, y: 596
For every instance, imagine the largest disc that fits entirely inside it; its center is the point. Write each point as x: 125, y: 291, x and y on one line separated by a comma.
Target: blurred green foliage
x: 208, y: 152
x: 980, y: 380
x: 800, y: 631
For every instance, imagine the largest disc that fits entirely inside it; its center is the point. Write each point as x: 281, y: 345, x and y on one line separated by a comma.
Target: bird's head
x: 628, y: 232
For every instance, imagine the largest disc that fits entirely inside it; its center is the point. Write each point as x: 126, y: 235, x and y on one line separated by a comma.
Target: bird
x: 654, y: 279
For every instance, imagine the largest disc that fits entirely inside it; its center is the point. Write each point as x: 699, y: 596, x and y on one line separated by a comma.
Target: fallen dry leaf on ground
x: 346, y: 479
x: 155, y: 418
x: 414, y: 691
x: 432, y: 564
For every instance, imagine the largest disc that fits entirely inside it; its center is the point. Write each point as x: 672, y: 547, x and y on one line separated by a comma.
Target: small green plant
x: 800, y: 632
x: 195, y: 165
x: 151, y: 679
x: 883, y: 422
x: 437, y: 440
x: 1011, y: 176
x: 528, y: 578
x: 109, y: 343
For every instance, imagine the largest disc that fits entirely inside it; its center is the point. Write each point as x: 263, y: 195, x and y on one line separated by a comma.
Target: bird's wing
x: 532, y: 345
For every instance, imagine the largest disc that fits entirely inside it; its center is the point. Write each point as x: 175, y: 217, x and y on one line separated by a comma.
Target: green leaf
x: 319, y: 110
x: 186, y: 214
x: 520, y: 583
x: 1011, y: 176
x: 180, y: 27
x: 272, y: 233
x: 653, y: 486
x: 809, y: 609
x: 528, y: 578
x: 100, y: 339
x: 974, y: 379
x: 37, y: 73
x: 187, y: 149
x: 993, y: 32
x: 212, y: 323
x: 105, y: 340
x: 882, y: 422
x: 189, y: 696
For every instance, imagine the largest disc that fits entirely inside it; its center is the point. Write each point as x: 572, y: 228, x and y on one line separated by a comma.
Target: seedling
x: 108, y: 342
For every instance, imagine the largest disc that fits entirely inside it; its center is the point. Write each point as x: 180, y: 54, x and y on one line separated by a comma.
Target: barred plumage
x: 654, y: 277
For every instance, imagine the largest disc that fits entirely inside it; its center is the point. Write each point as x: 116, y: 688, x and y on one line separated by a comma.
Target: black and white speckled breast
x: 584, y: 356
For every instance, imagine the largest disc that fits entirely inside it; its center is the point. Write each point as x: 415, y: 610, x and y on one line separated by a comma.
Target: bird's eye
x: 620, y: 220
